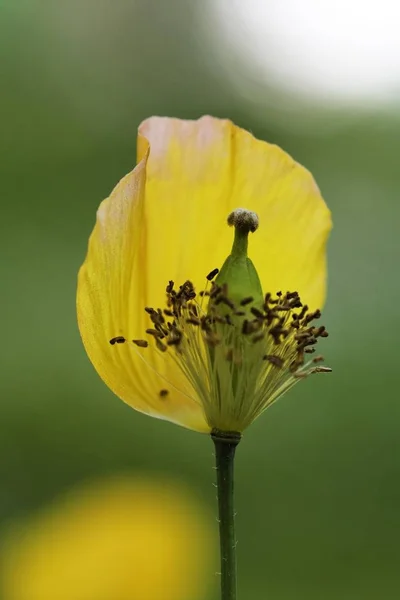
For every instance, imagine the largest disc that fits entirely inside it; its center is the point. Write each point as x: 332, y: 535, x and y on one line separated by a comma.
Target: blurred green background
x: 318, y: 486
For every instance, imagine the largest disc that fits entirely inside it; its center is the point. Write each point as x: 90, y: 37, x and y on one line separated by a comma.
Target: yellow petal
x: 167, y: 220
x: 112, y: 294
x: 198, y: 172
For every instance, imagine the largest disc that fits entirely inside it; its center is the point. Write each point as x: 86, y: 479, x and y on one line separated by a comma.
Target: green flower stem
x: 225, y: 446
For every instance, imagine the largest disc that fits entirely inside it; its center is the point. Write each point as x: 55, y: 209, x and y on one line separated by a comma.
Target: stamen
x: 212, y: 274
x: 257, y: 313
x: 117, y: 340
x: 155, y: 333
x: 193, y: 321
x: 162, y: 347
x: 321, y: 370
x: 163, y: 393
x: 141, y: 343
x: 302, y: 312
x: 231, y: 355
x: 246, y: 301
x: 277, y: 361
x: 318, y: 359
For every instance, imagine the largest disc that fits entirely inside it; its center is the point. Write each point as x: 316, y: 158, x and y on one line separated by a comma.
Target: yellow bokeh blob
x: 120, y: 539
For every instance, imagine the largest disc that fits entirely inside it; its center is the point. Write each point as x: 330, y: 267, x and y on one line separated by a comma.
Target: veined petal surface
x: 167, y: 220
x: 198, y: 172
x: 112, y: 295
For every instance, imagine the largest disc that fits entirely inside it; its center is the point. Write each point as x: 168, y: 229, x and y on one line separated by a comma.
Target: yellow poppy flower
x: 122, y: 538
x: 166, y: 221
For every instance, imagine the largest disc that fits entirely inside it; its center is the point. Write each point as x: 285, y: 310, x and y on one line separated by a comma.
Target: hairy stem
x: 225, y: 446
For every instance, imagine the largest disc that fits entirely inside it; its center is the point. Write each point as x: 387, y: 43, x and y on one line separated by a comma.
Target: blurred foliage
x: 317, y: 477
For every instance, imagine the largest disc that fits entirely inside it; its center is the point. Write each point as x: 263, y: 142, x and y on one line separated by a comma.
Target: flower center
x: 238, y: 349
x: 242, y: 357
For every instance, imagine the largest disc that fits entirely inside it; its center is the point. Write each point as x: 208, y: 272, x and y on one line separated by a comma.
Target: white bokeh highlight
x: 337, y: 51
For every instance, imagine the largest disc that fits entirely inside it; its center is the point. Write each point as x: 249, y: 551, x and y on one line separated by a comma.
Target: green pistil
x: 240, y: 243
x: 238, y: 272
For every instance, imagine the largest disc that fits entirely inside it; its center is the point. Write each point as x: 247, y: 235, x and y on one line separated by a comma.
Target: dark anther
x: 193, y: 321
x: 169, y: 287
x: 141, y: 343
x: 277, y: 361
x: 155, y: 333
x: 168, y: 313
x: 117, y: 340
x: 206, y: 323
x: 309, y: 350
x: 149, y: 310
x: 221, y: 297
x: 302, y: 335
x: 245, y: 327
x: 226, y: 301
x: 303, y: 311
x: 174, y: 337
x: 156, y: 317
x: 239, y: 313
x: 318, y: 331
x: 311, y: 316
x: 295, y: 302
x: 162, y: 347
x: 278, y: 331
x: 163, y: 393
x: 163, y: 329
x: 279, y: 294
x: 270, y: 316
x: 257, y: 313
x: 174, y: 340
x: 318, y: 359
x: 186, y: 291
x: 212, y: 339
x: 307, y: 342
x: 321, y: 370
x: 212, y: 274
x: 246, y: 301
